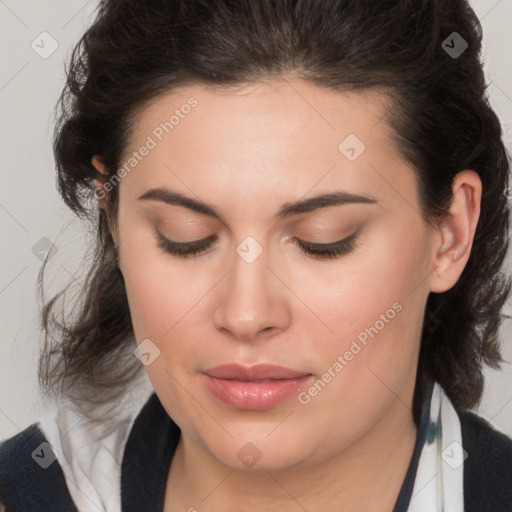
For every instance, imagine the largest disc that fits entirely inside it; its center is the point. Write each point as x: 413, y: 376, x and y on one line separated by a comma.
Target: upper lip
x: 252, y: 373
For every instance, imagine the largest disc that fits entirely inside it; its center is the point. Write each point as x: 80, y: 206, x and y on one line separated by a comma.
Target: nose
x: 252, y: 300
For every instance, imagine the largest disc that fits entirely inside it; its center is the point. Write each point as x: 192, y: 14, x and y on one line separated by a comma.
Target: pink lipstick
x: 258, y: 387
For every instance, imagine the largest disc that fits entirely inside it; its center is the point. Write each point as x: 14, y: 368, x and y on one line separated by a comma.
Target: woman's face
x: 348, y: 326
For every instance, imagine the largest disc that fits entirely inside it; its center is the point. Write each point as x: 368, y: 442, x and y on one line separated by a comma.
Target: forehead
x: 281, y: 134
x: 273, y: 109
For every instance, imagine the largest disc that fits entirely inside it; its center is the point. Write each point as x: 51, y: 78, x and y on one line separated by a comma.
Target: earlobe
x: 456, y: 231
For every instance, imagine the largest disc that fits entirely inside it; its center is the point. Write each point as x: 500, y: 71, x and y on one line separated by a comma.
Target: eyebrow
x: 336, y: 198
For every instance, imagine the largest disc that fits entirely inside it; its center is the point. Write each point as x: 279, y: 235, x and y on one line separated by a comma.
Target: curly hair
x: 440, y: 116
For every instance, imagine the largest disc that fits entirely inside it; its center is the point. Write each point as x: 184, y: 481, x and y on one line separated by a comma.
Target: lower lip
x: 255, y: 396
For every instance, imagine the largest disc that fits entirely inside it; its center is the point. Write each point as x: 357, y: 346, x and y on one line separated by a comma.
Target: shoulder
x: 488, y: 466
x: 30, y: 476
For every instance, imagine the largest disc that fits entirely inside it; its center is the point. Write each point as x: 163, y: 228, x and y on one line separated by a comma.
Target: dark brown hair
x: 441, y: 119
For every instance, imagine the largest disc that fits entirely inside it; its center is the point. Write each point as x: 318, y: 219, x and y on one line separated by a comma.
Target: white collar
x: 90, y: 453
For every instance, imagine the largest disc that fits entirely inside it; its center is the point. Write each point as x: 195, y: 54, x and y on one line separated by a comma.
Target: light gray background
x: 31, y: 209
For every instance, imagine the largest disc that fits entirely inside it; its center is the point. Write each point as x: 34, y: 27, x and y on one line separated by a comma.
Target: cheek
x: 161, y: 308
x: 160, y: 297
x: 369, y: 307
x: 166, y: 298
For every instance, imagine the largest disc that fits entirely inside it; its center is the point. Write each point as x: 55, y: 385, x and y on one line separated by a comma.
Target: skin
x: 246, y: 152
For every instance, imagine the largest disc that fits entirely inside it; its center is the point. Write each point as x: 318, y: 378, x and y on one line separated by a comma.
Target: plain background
x: 32, y: 214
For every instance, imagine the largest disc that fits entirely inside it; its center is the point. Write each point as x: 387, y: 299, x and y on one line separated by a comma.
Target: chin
x: 257, y: 454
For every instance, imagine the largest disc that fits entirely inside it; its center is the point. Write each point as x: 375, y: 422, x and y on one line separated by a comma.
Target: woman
x: 302, y: 223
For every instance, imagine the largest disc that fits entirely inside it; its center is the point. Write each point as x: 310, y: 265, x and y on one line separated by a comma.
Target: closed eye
x: 184, y: 250
x: 314, y: 249
x: 328, y: 251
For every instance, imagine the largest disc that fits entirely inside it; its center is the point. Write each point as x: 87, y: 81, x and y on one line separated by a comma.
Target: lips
x: 258, y: 372
x: 254, y: 388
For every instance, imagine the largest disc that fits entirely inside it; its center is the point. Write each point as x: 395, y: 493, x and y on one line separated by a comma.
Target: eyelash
x: 328, y: 251
x: 313, y: 249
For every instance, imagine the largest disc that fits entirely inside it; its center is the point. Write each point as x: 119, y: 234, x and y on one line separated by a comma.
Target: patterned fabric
x: 439, y: 480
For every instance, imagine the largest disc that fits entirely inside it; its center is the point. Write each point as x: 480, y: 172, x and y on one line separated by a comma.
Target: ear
x: 99, y: 191
x: 456, y: 231
x: 101, y: 194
